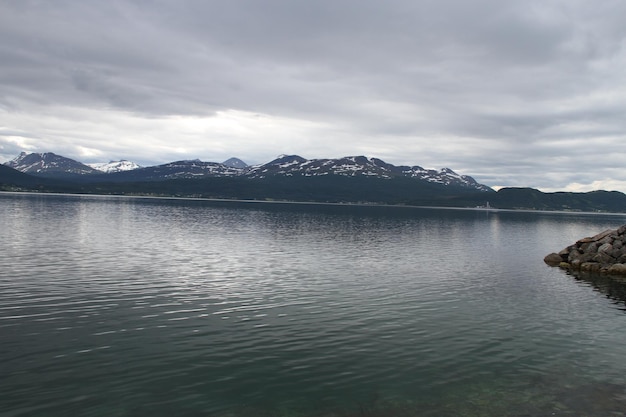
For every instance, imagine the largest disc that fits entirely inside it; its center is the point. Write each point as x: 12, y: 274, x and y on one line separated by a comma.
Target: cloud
x: 514, y: 93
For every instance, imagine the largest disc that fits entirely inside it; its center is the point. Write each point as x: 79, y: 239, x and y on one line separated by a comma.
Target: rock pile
x: 603, y: 253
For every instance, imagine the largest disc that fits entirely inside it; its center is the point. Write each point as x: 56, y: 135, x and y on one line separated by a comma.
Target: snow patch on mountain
x: 188, y: 169
x: 115, y: 166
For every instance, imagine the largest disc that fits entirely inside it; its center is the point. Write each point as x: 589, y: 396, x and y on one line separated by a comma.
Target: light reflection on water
x: 113, y: 306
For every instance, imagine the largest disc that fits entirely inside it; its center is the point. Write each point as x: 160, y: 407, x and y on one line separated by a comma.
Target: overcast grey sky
x: 514, y: 93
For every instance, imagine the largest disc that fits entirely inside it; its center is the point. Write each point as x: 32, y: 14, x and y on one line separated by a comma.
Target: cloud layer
x: 513, y: 93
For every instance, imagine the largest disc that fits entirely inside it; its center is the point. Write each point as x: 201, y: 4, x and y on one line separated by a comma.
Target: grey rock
x: 617, y: 269
x: 605, y: 248
x: 592, y: 248
x: 606, y: 239
x: 597, y: 237
x: 553, y: 259
x: 590, y: 267
x: 603, y: 253
x: 603, y: 258
x: 573, y: 255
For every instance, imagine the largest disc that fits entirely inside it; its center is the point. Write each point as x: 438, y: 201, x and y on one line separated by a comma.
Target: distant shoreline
x: 311, y: 203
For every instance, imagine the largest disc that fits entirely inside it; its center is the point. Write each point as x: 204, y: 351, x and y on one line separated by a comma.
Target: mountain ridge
x: 350, y: 179
x: 328, y: 188
x: 284, y: 165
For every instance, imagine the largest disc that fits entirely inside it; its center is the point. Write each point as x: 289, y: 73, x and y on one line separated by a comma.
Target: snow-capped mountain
x: 444, y: 176
x: 49, y: 164
x: 361, y: 166
x: 193, y: 169
x: 178, y: 169
x: 234, y: 163
x: 115, y: 166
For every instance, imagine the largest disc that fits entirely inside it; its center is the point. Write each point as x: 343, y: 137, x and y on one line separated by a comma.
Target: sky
x: 525, y: 93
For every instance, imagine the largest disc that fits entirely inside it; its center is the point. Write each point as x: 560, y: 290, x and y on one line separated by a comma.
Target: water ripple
x: 153, y: 308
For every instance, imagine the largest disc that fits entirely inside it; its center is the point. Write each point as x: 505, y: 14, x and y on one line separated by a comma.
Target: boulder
x: 603, y: 258
x: 617, y: 269
x: 566, y: 251
x: 590, y: 267
x: 606, y: 239
x: 597, y: 237
x: 573, y: 255
x: 553, y: 259
x: 589, y: 247
x: 605, y: 248
x: 603, y: 253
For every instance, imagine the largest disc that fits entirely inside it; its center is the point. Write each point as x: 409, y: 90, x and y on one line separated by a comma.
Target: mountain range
x: 50, y: 165
x: 354, y: 179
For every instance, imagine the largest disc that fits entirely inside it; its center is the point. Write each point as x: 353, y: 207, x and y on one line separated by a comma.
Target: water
x: 115, y: 306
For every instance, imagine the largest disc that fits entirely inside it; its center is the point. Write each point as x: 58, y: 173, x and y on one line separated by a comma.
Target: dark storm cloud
x: 504, y: 90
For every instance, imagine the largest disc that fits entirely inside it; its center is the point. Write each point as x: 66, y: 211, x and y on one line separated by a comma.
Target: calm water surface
x: 116, y: 306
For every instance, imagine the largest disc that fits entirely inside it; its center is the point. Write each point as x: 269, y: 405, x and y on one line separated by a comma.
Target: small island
x: 604, y: 253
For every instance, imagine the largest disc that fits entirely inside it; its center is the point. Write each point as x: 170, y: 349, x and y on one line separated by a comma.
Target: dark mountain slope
x: 327, y: 188
x: 532, y: 199
x: 11, y: 179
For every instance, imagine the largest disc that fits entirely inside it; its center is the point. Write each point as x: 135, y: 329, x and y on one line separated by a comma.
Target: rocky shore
x: 604, y: 253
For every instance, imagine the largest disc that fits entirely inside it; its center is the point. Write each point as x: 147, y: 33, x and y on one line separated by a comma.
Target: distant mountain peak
x: 286, y: 159
x: 235, y: 163
x: 49, y: 164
